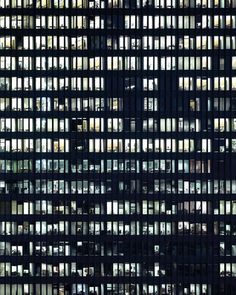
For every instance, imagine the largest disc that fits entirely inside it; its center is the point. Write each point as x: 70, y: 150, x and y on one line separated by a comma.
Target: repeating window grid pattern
x: 117, y: 147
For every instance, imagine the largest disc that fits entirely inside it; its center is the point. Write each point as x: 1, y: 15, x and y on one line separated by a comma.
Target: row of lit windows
x: 188, y: 22
x: 113, y: 63
x: 116, y: 104
x: 53, y: 3
x: 135, y: 166
x: 62, y: 248
x: 121, y: 207
x: 85, y: 248
x: 169, y: 22
x: 205, y: 83
x: 43, y: 186
x: 48, y: 145
x: 41, y: 124
x: 117, y: 269
x: 147, y: 63
x: 53, y: 22
x: 129, y: 124
x: 98, y: 145
x: 97, y: 83
x: 121, y: 228
x: 130, y: 22
x: 149, y: 145
x: 114, y: 125
x: 144, y: 289
x: 94, y: 289
x: 97, y: 22
x: 168, y: 42
x: 144, y: 228
x: 65, y: 83
x: 119, y: 4
x: 172, y: 22
x: 145, y: 207
x: 45, y: 104
x: 127, y: 166
x: 128, y: 269
x: 108, y: 227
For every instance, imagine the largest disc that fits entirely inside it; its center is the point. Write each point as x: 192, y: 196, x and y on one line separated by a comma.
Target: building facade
x: 117, y: 147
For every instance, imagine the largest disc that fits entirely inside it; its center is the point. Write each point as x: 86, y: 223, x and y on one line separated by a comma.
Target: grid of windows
x: 117, y: 147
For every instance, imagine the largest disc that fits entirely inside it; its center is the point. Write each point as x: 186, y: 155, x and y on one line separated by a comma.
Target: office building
x: 117, y: 147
